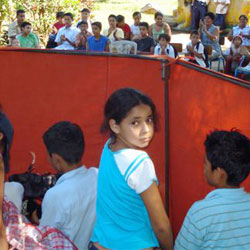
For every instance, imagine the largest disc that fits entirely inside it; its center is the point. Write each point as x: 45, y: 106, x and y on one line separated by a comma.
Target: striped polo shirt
x: 220, y: 222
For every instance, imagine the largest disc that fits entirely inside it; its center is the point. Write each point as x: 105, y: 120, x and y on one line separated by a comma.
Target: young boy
x: 66, y: 36
x: 196, y: 49
x: 135, y: 29
x: 28, y: 39
x: 85, y: 14
x: 81, y: 38
x: 221, y: 220
x: 125, y: 27
x: 97, y: 42
x: 145, y: 44
x: 163, y: 47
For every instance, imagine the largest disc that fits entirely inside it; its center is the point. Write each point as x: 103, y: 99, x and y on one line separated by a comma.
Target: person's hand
x: 54, y: 30
x: 63, y: 38
x: 190, y: 48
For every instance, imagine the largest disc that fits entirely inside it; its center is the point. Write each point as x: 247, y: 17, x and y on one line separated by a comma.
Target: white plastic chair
x: 123, y: 47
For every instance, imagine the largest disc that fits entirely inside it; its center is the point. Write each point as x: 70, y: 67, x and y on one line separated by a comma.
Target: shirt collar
x: 71, y: 174
x: 230, y: 192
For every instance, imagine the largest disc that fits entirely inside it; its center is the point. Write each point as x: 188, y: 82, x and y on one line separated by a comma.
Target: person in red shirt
x: 125, y: 27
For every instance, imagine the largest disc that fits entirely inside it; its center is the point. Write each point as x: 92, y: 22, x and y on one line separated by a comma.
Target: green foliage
x: 41, y: 13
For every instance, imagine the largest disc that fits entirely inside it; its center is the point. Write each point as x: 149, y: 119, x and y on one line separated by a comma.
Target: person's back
x: 221, y: 220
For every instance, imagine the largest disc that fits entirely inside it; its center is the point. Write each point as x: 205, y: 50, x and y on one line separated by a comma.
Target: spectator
x: 66, y: 36
x: 221, y: 220
x: 195, y: 49
x: 28, y: 39
x: 198, y: 11
x: 135, y: 29
x: 210, y: 35
x: 97, y: 42
x: 145, y: 44
x: 58, y: 25
x: 242, y: 30
x: 221, y: 11
x: 113, y: 33
x: 125, y: 27
x: 85, y: 13
x: 70, y: 204
x: 159, y: 27
x: 15, y: 43
x: 15, y: 27
x: 81, y: 38
x: 164, y: 48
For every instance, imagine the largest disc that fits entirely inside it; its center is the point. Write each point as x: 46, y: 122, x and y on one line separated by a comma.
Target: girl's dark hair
x: 120, y: 104
x: 158, y: 13
x: 113, y: 16
x: 59, y: 14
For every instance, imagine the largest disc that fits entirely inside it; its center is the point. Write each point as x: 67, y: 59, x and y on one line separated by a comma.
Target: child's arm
x: 107, y: 47
x: 150, y: 31
x: 158, y: 217
x: 71, y: 43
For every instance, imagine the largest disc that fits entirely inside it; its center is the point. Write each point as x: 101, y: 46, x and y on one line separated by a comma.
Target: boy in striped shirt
x: 222, y: 219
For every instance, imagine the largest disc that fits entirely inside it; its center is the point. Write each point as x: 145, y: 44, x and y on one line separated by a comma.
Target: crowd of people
x: 86, y: 35
x: 118, y: 205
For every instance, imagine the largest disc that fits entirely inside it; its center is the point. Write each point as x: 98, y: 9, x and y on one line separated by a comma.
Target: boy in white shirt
x: 221, y: 11
x: 135, y: 28
x: 164, y: 48
x: 196, y: 49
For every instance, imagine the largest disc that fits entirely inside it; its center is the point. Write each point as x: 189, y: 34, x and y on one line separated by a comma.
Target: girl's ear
x: 114, y: 126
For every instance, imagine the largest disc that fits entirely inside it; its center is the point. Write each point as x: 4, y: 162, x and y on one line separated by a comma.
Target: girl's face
x: 112, y: 22
x: 136, y: 130
x: 159, y: 20
x: 237, y: 41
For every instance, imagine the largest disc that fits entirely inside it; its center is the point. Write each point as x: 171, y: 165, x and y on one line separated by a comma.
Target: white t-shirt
x: 119, y: 34
x: 70, y: 205
x: 169, y: 50
x: 69, y: 33
x: 135, y: 30
x: 245, y: 31
x: 200, y: 50
x: 220, y: 5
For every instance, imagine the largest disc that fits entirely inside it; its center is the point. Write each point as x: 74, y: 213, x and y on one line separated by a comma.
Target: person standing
x: 198, y: 11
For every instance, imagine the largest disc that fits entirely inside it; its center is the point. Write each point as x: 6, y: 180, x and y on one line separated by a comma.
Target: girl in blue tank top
x: 129, y: 210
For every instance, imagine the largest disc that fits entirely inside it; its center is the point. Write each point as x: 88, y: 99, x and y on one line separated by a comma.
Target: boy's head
x: 59, y: 16
x: 120, y: 21
x: 96, y: 28
x: 164, y: 40
x: 20, y: 15
x: 68, y: 19
x: 82, y: 26
x: 137, y: 17
x: 85, y: 13
x: 144, y: 28
x: 64, y: 142
x: 227, y: 160
x: 237, y: 41
x: 26, y: 28
x: 194, y: 37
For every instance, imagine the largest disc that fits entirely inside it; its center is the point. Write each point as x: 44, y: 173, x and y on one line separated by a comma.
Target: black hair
x: 120, y: 18
x: 82, y: 22
x: 210, y: 14
x: 65, y: 139
x: 59, y: 14
x: 144, y: 24
x: 98, y: 24
x: 194, y: 32
x: 120, y: 103
x: 69, y: 14
x: 244, y: 17
x: 113, y: 16
x: 158, y: 13
x: 20, y: 12
x: 85, y: 10
x: 164, y: 36
x: 137, y: 13
x: 24, y: 24
x: 229, y: 150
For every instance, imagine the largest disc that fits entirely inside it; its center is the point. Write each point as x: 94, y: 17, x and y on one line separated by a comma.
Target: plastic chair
x: 220, y: 59
x: 244, y: 70
x: 123, y: 47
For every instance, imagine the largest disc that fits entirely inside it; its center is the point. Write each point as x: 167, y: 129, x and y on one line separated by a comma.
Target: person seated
x: 209, y: 34
x: 15, y: 27
x: 125, y: 27
x: 221, y: 12
x: 28, y: 39
x: 70, y: 205
x: 159, y: 27
x: 14, y: 43
x: 97, y: 42
x: 145, y: 44
x: 66, y: 36
x: 164, y: 48
x: 195, y: 49
x: 242, y: 30
x: 85, y: 16
x: 56, y: 26
x: 113, y: 33
x: 135, y: 29
x: 221, y: 219
x: 81, y: 38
